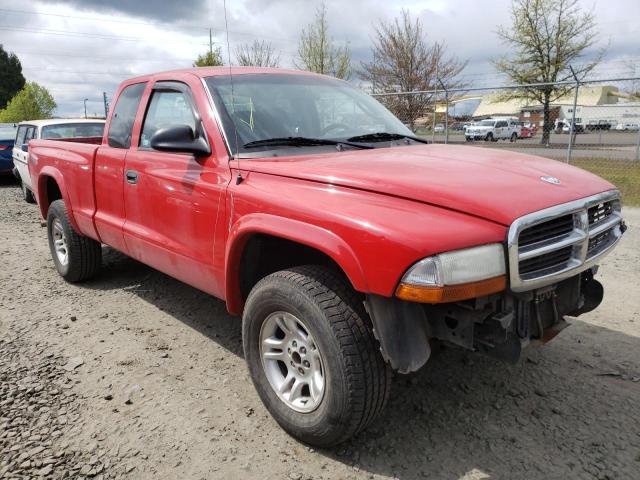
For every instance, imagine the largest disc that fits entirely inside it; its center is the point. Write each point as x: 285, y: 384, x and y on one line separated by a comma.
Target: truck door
x: 172, y: 198
x: 20, y: 157
x: 109, y: 167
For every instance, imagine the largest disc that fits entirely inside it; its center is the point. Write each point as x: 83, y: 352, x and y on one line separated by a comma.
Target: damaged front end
x: 498, y: 325
x: 550, y: 262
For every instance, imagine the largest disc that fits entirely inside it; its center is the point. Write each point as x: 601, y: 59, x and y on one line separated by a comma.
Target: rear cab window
x: 21, y: 134
x: 124, y: 115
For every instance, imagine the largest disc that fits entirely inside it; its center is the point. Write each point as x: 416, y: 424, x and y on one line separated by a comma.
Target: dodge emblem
x: 551, y: 180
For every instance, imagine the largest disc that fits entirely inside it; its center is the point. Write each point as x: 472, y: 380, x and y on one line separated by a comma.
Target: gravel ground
x: 136, y: 375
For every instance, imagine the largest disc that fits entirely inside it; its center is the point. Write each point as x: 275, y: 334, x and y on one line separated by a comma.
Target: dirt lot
x: 137, y: 375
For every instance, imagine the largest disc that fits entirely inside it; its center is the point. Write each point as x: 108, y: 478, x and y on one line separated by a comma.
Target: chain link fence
x: 593, y: 124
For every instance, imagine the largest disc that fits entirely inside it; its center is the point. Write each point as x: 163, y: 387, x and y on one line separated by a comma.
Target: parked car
x: 347, y: 248
x: 78, y: 129
x: 7, y: 137
x: 598, y: 125
x: 566, y: 127
x: 528, y: 130
x: 628, y: 127
x: 439, y: 128
x: 494, y: 129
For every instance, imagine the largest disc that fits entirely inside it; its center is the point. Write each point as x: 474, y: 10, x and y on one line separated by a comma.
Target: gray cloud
x: 145, y: 36
x: 163, y: 10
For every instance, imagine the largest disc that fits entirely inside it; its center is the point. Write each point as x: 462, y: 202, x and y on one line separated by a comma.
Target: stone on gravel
x: 73, y: 363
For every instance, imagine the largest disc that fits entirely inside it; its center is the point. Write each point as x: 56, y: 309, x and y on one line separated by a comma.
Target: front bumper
x: 499, y: 325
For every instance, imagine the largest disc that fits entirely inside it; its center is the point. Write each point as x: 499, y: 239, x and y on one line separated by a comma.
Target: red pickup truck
x: 346, y: 244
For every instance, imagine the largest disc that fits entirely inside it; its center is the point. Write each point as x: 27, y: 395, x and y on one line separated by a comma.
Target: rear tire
x: 27, y: 194
x: 355, y: 379
x: 489, y: 138
x: 75, y: 256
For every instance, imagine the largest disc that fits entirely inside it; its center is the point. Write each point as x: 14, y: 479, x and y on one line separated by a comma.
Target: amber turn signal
x: 451, y: 293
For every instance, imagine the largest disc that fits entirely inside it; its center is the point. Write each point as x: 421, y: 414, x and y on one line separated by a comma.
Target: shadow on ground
x: 200, y: 311
x: 7, y: 181
x: 564, y: 411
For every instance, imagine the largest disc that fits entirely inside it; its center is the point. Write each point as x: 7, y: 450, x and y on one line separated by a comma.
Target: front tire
x: 489, y: 138
x: 310, y: 314
x: 75, y: 256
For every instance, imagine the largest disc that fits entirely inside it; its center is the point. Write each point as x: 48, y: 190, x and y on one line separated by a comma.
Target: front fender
x: 294, y: 230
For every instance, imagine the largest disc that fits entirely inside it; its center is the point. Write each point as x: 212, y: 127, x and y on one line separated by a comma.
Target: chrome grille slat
x: 574, y: 237
x: 548, y: 246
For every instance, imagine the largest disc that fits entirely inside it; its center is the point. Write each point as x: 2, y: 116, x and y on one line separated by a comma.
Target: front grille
x: 600, y: 212
x: 598, y: 242
x: 548, y: 246
x: 547, y: 262
x: 546, y: 231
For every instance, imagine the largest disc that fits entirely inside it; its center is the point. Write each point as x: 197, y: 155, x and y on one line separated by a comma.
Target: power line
x: 75, y: 55
x: 163, y: 24
x: 99, y: 36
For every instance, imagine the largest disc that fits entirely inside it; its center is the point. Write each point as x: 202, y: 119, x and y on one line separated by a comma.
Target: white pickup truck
x: 67, y: 128
x: 494, y: 129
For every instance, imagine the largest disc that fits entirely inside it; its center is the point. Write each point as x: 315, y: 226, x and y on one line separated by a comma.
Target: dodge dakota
x: 347, y: 245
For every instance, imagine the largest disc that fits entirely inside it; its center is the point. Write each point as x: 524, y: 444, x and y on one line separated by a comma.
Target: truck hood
x: 496, y: 185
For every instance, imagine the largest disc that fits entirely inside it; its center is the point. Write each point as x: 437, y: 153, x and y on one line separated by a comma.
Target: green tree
x: 11, y: 78
x: 545, y: 39
x: 213, y: 58
x: 33, y: 102
x: 317, y: 51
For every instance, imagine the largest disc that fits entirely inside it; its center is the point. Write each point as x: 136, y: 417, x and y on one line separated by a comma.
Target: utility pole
x: 106, y: 105
x: 85, y: 107
x: 210, y: 45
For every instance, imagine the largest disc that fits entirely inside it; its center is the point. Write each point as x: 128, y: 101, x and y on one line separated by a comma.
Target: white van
x: 47, y: 129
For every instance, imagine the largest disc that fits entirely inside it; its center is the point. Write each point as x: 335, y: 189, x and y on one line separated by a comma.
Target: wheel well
x: 51, y: 192
x: 266, y: 254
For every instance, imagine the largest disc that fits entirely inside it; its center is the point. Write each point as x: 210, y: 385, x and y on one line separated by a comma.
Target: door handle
x: 132, y: 176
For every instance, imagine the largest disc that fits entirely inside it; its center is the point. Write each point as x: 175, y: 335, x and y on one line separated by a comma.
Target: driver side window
x: 167, y: 108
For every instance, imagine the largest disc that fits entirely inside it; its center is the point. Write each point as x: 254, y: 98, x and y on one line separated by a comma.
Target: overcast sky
x: 80, y: 48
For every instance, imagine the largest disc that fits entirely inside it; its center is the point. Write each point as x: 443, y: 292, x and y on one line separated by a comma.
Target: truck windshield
x: 487, y: 123
x: 278, y: 106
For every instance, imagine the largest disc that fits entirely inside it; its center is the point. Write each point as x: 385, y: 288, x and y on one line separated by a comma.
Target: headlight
x: 453, y: 276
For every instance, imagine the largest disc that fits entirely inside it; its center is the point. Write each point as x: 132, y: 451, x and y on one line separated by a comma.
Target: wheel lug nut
x: 303, y: 350
x: 306, y: 364
x: 301, y: 371
x: 294, y: 344
x: 288, y: 350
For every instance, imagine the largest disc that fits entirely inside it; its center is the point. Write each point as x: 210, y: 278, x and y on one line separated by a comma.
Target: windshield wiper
x: 384, y: 137
x: 300, y: 142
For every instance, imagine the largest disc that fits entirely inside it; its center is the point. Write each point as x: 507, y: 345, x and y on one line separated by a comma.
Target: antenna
x: 233, y: 100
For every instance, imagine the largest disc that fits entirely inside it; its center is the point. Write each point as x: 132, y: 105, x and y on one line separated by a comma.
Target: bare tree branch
x: 257, y: 54
x: 403, y: 61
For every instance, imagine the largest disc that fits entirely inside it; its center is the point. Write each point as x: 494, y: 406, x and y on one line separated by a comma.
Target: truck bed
x: 76, y: 158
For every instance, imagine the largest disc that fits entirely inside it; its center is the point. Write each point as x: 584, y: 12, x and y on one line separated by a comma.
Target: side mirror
x: 180, y: 138
x: 24, y: 147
